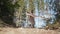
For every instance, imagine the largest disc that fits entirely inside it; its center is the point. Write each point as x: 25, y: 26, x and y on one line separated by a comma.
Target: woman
x: 31, y: 19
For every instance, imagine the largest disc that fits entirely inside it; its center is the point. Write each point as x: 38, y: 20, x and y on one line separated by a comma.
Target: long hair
x: 31, y: 11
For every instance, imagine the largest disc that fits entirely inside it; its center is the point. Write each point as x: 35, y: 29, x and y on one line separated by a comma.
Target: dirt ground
x: 26, y: 31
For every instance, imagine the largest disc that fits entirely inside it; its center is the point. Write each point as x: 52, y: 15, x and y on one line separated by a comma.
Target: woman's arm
x: 30, y: 14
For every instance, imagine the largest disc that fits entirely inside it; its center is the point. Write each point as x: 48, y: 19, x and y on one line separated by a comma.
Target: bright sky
x: 39, y: 22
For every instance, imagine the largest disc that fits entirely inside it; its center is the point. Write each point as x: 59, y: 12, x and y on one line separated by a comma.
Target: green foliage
x: 55, y: 7
x: 7, y: 10
x: 40, y: 4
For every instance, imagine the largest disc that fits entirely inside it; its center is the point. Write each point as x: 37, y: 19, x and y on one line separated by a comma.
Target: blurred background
x: 13, y: 13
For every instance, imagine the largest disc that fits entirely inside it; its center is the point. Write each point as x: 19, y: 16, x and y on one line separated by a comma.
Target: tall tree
x: 20, y: 13
x: 57, y: 10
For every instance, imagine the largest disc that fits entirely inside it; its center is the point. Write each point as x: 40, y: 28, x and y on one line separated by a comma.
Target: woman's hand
x: 28, y: 14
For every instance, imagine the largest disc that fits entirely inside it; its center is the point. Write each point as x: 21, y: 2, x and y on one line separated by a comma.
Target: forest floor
x: 7, y: 30
x: 10, y: 30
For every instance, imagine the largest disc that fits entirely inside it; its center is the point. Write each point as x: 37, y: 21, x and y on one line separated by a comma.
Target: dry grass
x: 26, y: 31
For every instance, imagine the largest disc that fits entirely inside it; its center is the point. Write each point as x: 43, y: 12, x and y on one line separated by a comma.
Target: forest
x: 30, y: 13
